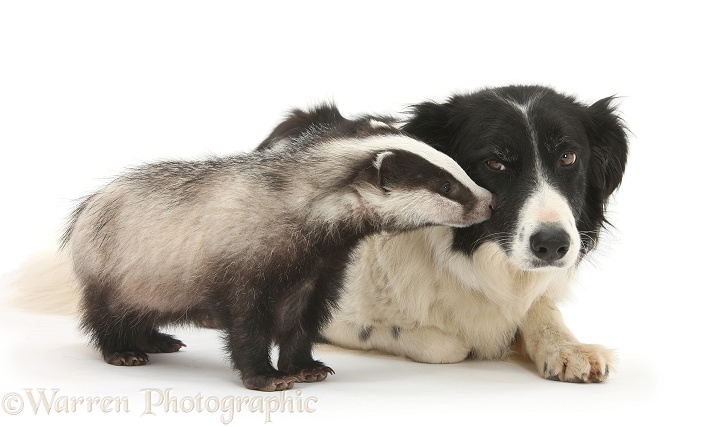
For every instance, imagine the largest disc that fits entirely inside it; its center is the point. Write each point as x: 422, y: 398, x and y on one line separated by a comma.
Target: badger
x: 256, y: 243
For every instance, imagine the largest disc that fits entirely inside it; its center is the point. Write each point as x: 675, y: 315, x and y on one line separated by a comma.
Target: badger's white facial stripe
x: 421, y: 207
x: 421, y: 149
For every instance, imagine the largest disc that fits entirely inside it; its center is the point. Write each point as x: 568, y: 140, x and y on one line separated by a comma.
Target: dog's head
x: 551, y: 161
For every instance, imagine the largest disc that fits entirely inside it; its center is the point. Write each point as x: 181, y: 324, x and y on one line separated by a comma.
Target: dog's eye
x: 568, y: 159
x: 495, y: 165
x: 446, y: 188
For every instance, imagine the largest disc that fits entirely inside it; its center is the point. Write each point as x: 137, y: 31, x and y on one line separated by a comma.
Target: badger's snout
x: 481, y: 210
x: 493, y: 202
x: 485, y: 206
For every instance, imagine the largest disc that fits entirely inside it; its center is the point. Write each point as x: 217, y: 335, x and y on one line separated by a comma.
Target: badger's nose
x: 486, y: 207
x: 549, y: 243
x: 489, y: 206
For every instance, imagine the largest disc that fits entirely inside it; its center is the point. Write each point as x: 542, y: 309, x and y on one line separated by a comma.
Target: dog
x: 444, y: 294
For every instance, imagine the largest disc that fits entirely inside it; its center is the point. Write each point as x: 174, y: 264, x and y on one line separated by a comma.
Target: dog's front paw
x: 577, y: 363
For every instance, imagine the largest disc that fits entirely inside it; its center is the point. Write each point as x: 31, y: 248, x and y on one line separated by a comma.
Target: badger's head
x: 398, y: 183
x: 415, y: 186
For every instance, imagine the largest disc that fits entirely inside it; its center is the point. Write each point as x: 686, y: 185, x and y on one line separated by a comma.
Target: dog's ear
x: 431, y: 123
x: 610, y: 147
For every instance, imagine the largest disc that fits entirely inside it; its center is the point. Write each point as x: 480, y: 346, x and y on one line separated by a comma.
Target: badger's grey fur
x: 254, y: 243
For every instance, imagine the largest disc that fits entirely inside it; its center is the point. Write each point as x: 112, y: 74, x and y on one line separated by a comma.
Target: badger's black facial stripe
x: 403, y: 170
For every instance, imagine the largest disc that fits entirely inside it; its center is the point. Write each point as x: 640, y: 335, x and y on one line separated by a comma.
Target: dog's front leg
x: 554, y: 350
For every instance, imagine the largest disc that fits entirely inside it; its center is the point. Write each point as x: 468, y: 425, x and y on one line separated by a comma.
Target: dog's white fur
x: 435, y: 305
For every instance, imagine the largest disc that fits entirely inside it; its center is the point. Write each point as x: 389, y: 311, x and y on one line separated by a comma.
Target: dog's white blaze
x: 545, y: 207
x: 524, y: 111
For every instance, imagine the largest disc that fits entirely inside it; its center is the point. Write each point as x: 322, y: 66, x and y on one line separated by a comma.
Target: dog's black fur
x: 482, y: 127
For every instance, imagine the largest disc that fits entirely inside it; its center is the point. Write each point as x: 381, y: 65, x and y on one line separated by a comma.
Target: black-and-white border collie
x: 442, y: 294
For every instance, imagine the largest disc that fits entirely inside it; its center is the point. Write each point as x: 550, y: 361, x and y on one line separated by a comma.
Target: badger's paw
x: 162, y: 343
x: 577, y: 363
x: 269, y: 383
x: 127, y: 358
x: 313, y: 375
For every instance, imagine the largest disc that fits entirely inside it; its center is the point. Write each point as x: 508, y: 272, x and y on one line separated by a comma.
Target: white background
x: 88, y: 88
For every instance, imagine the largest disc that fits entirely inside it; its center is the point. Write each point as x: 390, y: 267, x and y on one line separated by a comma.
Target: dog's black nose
x: 549, y: 243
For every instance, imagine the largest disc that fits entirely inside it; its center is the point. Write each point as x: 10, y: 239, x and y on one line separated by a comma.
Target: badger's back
x: 159, y: 236
x: 154, y: 234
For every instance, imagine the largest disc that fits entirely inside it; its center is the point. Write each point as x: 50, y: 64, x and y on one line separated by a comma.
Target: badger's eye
x: 567, y: 159
x: 446, y: 188
x: 495, y: 165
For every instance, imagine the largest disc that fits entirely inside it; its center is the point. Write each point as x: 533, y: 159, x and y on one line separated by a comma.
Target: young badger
x: 254, y: 243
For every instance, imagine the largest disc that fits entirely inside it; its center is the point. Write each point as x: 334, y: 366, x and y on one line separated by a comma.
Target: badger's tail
x: 45, y: 284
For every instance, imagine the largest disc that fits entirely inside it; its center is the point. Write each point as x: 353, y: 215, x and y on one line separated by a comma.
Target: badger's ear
x: 609, y: 145
x: 431, y: 123
x: 300, y: 121
x: 379, y: 173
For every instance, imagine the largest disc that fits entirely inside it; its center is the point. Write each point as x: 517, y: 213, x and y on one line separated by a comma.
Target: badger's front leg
x: 554, y: 350
x: 300, y: 316
x: 249, y: 338
x: 296, y: 358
